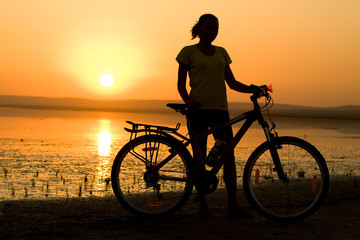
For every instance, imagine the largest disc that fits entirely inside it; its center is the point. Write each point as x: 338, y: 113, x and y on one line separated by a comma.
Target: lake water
x: 59, y: 154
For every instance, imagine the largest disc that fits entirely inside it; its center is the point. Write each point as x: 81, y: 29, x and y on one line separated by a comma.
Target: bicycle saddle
x: 179, y: 107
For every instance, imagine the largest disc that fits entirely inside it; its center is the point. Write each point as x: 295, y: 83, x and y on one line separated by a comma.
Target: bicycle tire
x: 151, y: 194
x: 307, y: 186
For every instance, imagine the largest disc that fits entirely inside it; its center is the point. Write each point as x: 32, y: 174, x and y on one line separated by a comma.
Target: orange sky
x: 309, y: 50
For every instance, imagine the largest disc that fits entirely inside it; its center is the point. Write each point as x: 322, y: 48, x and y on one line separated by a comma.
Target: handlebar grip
x: 261, y: 88
x: 261, y: 91
x: 258, y: 90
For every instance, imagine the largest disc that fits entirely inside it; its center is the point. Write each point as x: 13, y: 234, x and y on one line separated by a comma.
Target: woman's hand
x: 192, y: 104
x: 261, y: 90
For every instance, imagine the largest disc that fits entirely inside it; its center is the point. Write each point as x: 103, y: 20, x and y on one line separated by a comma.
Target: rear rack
x: 147, y: 129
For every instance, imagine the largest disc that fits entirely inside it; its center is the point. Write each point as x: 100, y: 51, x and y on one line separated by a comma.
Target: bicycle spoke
x: 138, y: 156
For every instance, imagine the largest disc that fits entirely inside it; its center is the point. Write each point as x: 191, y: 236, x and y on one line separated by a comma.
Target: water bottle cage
x: 215, y: 152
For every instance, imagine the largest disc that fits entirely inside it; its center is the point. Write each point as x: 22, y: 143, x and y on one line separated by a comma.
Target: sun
x: 106, y: 80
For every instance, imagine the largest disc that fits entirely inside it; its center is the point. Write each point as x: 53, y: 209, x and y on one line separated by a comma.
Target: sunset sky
x: 308, y: 49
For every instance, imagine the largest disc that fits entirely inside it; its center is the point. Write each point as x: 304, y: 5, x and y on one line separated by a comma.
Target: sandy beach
x: 104, y: 218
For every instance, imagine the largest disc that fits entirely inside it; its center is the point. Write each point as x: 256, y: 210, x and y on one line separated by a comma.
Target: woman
x: 208, y: 67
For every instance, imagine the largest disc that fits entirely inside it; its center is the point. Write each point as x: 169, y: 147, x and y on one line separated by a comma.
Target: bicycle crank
x: 205, y: 182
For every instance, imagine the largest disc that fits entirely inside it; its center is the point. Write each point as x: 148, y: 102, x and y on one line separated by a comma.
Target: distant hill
x: 79, y: 104
x: 159, y: 106
x: 284, y: 110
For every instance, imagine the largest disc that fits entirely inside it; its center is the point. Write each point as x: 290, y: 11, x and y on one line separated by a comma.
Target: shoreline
x: 105, y: 218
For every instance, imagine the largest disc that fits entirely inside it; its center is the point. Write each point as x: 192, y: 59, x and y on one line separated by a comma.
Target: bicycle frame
x: 250, y: 117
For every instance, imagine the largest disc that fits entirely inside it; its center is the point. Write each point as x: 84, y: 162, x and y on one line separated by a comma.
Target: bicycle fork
x: 273, y: 147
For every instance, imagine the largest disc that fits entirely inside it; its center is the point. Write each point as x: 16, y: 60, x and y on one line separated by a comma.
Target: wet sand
x: 104, y: 218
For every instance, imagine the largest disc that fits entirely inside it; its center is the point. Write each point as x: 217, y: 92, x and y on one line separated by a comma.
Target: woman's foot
x: 204, y: 208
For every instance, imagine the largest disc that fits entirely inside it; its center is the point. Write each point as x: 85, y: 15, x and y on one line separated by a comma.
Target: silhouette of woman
x: 208, y: 67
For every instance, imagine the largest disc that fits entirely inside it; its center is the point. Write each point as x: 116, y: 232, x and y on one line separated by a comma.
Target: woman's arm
x: 182, y: 74
x: 233, y: 84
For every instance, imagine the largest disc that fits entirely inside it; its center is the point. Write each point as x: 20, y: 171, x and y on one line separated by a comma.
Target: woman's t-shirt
x: 206, y: 73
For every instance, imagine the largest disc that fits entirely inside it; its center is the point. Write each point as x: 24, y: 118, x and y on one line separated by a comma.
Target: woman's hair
x: 202, y: 20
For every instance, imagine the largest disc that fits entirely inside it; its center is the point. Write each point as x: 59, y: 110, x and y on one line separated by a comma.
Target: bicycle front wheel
x: 302, y: 191
x: 147, y: 192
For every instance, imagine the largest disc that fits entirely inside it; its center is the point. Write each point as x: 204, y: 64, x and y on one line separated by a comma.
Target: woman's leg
x: 229, y: 167
x: 197, y: 122
x: 230, y: 179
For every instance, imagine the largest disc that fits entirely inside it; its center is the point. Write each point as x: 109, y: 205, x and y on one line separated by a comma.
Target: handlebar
x: 262, y: 91
x: 258, y: 92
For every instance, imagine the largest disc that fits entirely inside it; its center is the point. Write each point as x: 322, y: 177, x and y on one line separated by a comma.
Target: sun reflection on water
x: 104, y: 138
x: 104, y: 153
x: 104, y: 143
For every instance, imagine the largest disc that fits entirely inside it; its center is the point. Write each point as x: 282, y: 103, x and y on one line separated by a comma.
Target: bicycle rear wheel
x: 147, y: 192
x: 295, y: 198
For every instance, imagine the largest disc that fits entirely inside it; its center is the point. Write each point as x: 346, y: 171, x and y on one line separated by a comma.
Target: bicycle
x: 284, y: 179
